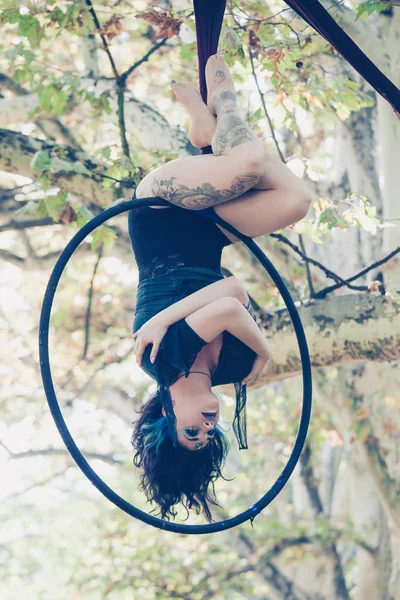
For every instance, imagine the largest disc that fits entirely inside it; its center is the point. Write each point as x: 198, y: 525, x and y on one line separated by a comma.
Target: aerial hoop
x: 76, y: 454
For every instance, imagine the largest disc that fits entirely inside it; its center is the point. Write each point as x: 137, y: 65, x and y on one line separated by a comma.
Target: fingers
x: 139, y: 354
x: 248, y: 378
x: 138, y: 349
x: 154, y: 351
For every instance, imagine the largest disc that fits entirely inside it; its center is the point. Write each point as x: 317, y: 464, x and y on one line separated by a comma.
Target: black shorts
x: 157, y: 293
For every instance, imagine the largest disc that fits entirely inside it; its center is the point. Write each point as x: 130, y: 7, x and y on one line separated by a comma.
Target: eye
x: 192, y: 431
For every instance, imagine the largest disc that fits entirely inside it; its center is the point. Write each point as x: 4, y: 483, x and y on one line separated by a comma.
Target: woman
x: 189, y: 319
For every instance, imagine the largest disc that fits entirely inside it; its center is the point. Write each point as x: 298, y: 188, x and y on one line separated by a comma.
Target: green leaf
x: 106, y: 152
x: 258, y: 114
x: 62, y: 166
x: 83, y: 215
x: 366, y: 9
x: 105, y: 103
x: 103, y: 235
x: 45, y: 96
x: 55, y: 204
x: 59, y: 102
x: 53, y: 99
x: 41, y: 209
x: 188, y: 51
x: 41, y: 161
x: 10, y: 15
x: 29, y: 27
x: 232, y: 44
x: 27, y: 54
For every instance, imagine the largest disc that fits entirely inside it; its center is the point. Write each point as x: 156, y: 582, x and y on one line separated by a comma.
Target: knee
x: 238, y: 290
x: 303, y: 204
x: 253, y: 157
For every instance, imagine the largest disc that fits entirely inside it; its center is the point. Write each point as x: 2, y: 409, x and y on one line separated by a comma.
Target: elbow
x: 304, y: 203
x: 229, y: 308
x: 238, y: 291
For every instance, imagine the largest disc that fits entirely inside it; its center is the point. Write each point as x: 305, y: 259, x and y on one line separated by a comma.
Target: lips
x: 209, y: 415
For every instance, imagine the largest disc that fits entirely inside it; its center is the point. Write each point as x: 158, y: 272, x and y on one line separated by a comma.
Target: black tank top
x: 166, y: 238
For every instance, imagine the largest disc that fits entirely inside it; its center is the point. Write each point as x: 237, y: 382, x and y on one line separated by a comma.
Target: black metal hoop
x: 60, y: 422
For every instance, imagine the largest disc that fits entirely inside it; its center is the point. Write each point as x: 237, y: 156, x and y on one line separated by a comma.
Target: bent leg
x: 198, y: 182
x: 259, y: 212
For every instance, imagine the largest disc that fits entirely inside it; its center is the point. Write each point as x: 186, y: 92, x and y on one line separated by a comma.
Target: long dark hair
x: 173, y: 475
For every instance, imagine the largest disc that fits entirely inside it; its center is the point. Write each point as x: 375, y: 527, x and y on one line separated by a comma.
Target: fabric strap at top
x: 318, y: 17
x: 209, y: 16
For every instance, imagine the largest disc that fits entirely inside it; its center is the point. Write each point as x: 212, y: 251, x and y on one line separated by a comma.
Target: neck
x: 201, y: 382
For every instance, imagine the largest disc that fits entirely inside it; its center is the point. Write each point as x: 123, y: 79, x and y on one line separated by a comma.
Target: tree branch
x: 107, y: 458
x: 17, y: 151
x: 11, y: 258
x: 311, y: 485
x: 341, y: 282
x: 307, y: 265
x: 338, y: 331
x: 37, y: 484
x: 89, y: 306
x: 51, y: 128
x: 324, y: 292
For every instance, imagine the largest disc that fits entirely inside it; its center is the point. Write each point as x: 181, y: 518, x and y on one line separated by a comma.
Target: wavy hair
x: 175, y: 475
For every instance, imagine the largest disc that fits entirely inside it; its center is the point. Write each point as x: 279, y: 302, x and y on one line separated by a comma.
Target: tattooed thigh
x: 203, y: 195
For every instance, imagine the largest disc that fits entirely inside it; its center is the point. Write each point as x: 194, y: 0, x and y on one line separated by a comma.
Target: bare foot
x: 219, y: 80
x: 203, y: 123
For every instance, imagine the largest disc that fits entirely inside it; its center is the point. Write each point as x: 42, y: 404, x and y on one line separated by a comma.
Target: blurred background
x: 85, y: 111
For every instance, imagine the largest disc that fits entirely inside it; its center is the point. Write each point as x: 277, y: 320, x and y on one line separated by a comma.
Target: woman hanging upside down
x: 189, y: 319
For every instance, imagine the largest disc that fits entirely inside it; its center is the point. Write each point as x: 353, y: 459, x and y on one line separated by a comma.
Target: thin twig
x: 308, y: 271
x: 314, y: 262
x: 103, y: 39
x: 265, y: 107
x: 325, y: 291
x: 118, y: 360
x: 89, y: 306
x: 340, y: 281
x: 43, y: 482
x: 145, y: 58
x: 119, y: 82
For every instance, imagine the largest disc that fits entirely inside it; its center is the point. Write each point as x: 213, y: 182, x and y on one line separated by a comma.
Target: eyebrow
x: 196, y: 439
x: 191, y: 439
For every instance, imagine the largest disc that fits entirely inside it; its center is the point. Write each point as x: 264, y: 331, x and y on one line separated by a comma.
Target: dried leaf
x: 111, y: 28
x: 390, y: 428
x: 68, y: 215
x: 374, y: 286
x: 361, y: 413
x: 168, y: 26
